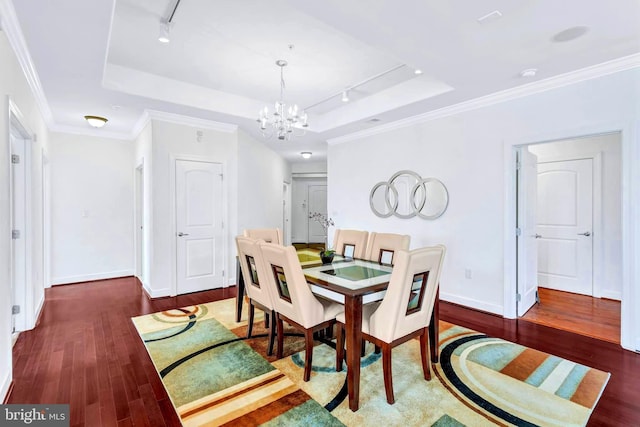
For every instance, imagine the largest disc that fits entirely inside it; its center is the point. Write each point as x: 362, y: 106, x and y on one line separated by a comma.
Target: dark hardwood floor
x: 581, y: 314
x: 86, y: 352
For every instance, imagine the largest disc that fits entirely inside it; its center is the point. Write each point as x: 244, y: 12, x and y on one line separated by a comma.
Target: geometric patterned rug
x: 215, y: 376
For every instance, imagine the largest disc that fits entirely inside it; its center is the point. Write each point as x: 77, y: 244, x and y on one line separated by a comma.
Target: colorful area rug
x: 214, y: 377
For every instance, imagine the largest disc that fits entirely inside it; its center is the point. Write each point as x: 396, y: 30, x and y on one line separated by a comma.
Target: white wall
x: 467, y: 151
x: 607, y: 270
x: 13, y: 84
x: 91, y: 208
x: 261, y: 174
x: 170, y: 141
x: 308, y: 167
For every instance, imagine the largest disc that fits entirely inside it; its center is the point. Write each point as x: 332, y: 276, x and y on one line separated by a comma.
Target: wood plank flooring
x: 593, y: 317
x: 86, y: 352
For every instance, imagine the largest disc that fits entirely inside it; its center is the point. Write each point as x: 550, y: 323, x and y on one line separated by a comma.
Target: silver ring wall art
x: 406, y: 195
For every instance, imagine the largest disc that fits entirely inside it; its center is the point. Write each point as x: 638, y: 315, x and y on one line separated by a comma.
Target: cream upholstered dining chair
x: 381, y: 247
x: 293, y: 300
x: 350, y: 243
x: 404, y: 312
x: 269, y: 235
x: 258, y: 292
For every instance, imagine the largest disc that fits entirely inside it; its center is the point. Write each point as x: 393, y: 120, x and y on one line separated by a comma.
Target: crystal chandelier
x: 284, y: 121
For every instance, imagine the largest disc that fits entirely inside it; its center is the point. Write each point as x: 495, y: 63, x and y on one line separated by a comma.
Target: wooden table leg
x: 434, y: 329
x: 239, y: 291
x: 353, y: 331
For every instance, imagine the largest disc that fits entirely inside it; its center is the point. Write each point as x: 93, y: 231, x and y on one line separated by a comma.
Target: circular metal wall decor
x: 407, y: 195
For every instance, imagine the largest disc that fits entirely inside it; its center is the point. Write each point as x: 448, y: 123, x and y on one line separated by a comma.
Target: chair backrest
x: 351, y: 243
x: 292, y: 296
x: 410, y: 297
x: 250, y: 258
x: 269, y: 235
x: 383, y: 246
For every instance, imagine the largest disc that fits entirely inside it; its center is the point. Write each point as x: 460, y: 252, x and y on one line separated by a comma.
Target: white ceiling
x: 103, y: 57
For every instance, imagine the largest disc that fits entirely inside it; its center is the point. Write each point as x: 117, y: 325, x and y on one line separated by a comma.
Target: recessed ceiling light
x: 529, y: 72
x: 306, y: 154
x: 569, y: 34
x: 417, y: 71
x: 489, y: 17
x: 345, y: 96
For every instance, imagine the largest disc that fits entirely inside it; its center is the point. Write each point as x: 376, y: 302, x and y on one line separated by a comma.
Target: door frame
x: 630, y: 155
x: 173, y: 217
x: 139, y: 212
x: 597, y: 227
x: 286, y: 212
x: 27, y: 318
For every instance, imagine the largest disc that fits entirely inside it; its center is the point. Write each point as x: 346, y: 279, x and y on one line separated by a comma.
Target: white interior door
x: 317, y: 203
x: 527, y: 239
x: 199, y: 223
x: 565, y: 221
x: 18, y: 234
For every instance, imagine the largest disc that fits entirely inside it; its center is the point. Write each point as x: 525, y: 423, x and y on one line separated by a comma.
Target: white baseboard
x: 6, y: 383
x: 231, y: 282
x: 36, y: 314
x: 89, y: 277
x: 157, y: 293
x: 472, y: 303
x: 615, y: 295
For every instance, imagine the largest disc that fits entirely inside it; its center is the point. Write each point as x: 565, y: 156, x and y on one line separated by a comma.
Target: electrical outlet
x: 467, y: 273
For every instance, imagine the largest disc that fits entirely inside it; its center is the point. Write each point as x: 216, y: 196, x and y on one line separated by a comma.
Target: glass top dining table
x: 352, y: 282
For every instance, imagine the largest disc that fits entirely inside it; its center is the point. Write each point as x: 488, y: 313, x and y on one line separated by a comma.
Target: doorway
x: 577, y: 235
x: 140, y: 232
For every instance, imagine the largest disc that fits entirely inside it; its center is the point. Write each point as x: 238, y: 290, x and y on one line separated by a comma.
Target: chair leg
x: 272, y: 333
x: 280, y: 334
x: 266, y: 320
x: 362, y: 348
x: 339, y: 347
x: 386, y: 369
x: 250, y: 324
x: 424, y: 354
x: 377, y: 349
x: 308, y: 353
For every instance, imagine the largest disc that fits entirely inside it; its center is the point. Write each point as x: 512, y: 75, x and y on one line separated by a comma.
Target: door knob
x: 586, y: 233
x: 538, y: 236
x: 180, y: 234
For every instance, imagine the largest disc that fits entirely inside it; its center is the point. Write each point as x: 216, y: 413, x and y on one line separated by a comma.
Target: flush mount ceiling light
x: 306, y: 154
x: 96, y: 121
x: 283, y: 121
x: 417, y: 71
x: 165, y: 26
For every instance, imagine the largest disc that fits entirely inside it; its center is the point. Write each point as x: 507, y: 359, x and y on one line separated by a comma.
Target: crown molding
x: 559, y: 81
x: 11, y: 26
x: 189, y: 121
